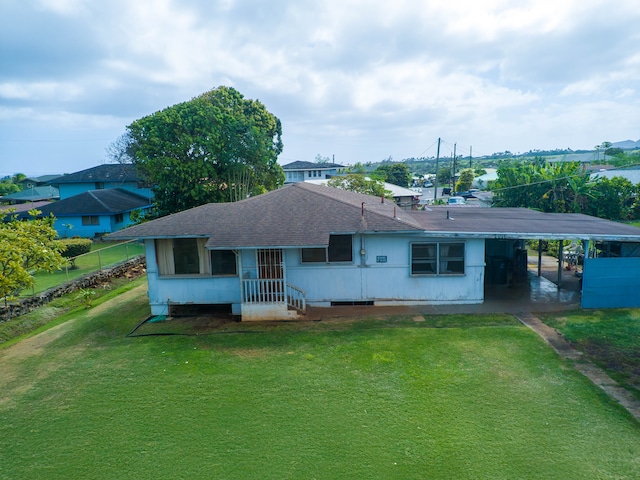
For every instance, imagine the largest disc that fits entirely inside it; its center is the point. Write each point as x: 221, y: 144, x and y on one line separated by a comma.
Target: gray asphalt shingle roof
x: 97, y: 202
x: 302, y: 165
x: 111, y: 172
x: 304, y: 214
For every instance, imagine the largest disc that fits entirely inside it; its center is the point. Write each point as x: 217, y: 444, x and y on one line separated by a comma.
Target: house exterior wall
x: 78, y: 230
x: 367, y: 278
x: 293, y: 176
x: 611, y: 282
x: 370, y: 278
x: 184, y: 289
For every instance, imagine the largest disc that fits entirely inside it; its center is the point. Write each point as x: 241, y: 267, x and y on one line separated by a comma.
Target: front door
x: 271, y: 271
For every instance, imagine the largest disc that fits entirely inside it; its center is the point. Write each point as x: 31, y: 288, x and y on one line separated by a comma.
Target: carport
x: 611, y: 268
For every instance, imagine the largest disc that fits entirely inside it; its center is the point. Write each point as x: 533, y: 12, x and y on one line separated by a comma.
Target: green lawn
x: 102, y: 255
x: 610, y: 338
x: 364, y: 399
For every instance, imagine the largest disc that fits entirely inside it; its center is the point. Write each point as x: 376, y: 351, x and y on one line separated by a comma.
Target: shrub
x: 75, y: 246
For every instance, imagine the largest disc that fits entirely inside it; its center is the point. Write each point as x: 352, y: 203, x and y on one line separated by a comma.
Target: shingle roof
x: 112, y: 172
x: 34, y: 194
x: 97, y: 202
x: 304, y: 214
x: 294, y: 215
x: 519, y: 223
x: 301, y: 165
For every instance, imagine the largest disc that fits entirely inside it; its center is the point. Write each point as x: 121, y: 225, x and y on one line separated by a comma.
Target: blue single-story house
x: 272, y: 255
x: 102, y: 177
x: 95, y: 213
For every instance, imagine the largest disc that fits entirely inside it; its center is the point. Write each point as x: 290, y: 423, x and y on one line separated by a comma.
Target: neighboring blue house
x: 271, y: 255
x: 94, y: 213
x: 300, y: 171
x: 112, y: 175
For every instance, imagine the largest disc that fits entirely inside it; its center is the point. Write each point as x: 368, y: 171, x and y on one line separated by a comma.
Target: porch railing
x: 296, y: 298
x: 273, y: 291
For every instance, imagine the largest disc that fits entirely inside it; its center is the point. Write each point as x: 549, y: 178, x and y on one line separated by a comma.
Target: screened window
x: 437, y: 258
x: 340, y: 248
x: 223, y: 262
x: 119, y: 218
x: 182, y: 256
x: 314, y: 255
x: 89, y: 220
x: 185, y: 256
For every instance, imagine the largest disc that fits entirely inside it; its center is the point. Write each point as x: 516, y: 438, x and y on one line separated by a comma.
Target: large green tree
x: 26, y: 247
x: 395, y: 173
x: 217, y: 147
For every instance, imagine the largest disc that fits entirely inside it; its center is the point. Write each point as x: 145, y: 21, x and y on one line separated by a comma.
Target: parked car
x: 446, y: 191
x: 456, y: 201
x: 465, y: 194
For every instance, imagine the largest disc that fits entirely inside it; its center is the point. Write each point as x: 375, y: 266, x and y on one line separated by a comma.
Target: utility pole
x: 435, y: 190
x: 470, y: 150
x: 455, y: 164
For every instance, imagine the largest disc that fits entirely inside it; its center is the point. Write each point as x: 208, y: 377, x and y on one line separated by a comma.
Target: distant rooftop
x: 111, y: 172
x: 301, y: 165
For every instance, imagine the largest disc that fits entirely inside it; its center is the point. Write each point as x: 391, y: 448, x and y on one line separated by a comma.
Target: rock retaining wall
x: 26, y: 305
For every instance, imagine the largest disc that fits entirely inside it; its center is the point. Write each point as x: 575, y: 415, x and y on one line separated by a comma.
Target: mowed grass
x: 609, y: 338
x: 377, y: 398
x: 102, y: 255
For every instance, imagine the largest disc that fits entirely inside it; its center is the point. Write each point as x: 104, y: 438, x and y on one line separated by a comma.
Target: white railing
x: 296, y: 298
x: 263, y: 291
x: 273, y: 291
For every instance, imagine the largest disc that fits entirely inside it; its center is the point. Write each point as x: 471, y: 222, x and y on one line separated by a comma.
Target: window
x: 340, y: 250
x: 185, y: 256
x: 119, y: 217
x: 314, y: 255
x: 437, y: 258
x: 90, y: 220
x: 223, y: 262
x: 99, y: 185
x: 182, y: 256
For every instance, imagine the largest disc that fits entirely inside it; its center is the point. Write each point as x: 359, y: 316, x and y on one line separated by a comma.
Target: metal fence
x: 103, y: 256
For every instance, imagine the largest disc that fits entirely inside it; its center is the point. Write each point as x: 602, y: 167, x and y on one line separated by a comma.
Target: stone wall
x: 130, y: 268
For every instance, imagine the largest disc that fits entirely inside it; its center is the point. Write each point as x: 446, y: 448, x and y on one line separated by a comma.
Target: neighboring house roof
x: 97, y: 202
x: 24, y: 207
x: 305, y: 214
x: 33, y: 194
x: 39, y: 180
x: 111, y: 172
x: 301, y: 165
x: 633, y: 175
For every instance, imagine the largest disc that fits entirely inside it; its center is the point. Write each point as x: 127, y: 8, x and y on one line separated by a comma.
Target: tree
x: 7, y: 187
x: 26, y: 247
x: 396, y: 173
x: 216, y: 147
x: 358, y: 183
x: 465, y: 180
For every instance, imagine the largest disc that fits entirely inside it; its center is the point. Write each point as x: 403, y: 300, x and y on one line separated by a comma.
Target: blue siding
x: 611, y: 283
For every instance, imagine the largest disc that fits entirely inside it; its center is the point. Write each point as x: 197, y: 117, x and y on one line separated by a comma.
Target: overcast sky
x: 363, y: 80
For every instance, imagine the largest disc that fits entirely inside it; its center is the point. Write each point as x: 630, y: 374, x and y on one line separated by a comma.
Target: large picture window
x: 437, y: 258
x: 182, y: 256
x: 340, y: 250
x: 223, y: 262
